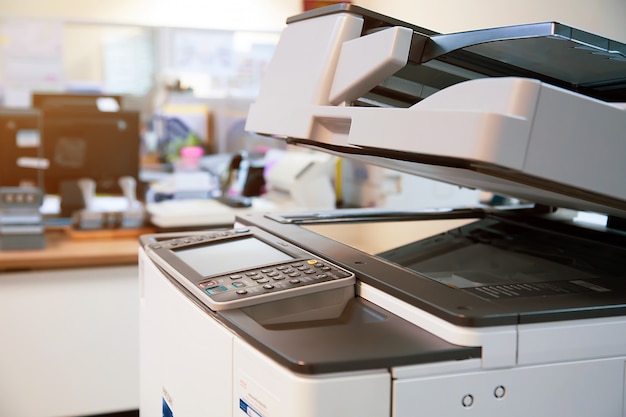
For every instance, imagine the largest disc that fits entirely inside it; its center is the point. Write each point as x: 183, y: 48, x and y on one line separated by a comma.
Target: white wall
x: 214, y: 14
x: 603, y: 17
x: 89, y: 26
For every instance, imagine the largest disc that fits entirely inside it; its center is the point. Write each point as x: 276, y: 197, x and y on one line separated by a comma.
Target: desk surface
x: 69, y: 250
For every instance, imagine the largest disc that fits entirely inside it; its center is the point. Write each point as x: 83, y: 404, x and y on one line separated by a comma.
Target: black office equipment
x: 103, y: 146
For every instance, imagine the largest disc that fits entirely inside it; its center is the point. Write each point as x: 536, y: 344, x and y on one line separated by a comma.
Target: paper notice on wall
x: 31, y: 56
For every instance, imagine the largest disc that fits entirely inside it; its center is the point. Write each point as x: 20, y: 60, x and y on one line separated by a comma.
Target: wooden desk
x: 66, y: 249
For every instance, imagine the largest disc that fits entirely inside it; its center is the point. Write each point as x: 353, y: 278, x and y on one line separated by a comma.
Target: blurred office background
x: 201, y: 62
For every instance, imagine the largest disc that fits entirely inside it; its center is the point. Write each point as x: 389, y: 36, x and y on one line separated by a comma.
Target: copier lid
x: 570, y: 155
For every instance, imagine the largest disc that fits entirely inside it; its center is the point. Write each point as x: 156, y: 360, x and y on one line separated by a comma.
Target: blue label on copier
x: 247, y: 409
x: 167, y: 411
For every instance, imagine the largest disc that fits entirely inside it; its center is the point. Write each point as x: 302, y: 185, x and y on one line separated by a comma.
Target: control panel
x: 246, y: 266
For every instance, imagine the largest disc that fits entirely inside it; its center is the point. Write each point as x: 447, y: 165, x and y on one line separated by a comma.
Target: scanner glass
x: 497, y: 259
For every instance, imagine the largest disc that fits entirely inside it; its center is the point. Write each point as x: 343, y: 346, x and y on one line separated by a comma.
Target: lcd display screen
x: 232, y: 255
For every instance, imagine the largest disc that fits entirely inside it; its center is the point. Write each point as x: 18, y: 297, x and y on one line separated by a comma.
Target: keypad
x: 266, y: 279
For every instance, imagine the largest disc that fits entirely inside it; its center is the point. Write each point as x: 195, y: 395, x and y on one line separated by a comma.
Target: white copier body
x: 199, y: 367
x: 401, y: 344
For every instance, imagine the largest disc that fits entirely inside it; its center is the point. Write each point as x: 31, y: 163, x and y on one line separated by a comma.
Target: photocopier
x: 516, y: 310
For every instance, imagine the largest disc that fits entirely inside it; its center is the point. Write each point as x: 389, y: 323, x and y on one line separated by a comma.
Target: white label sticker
x: 107, y: 104
x: 35, y: 163
x: 27, y: 138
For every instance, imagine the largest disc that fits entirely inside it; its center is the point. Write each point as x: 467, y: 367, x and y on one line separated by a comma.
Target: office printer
x: 517, y: 311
